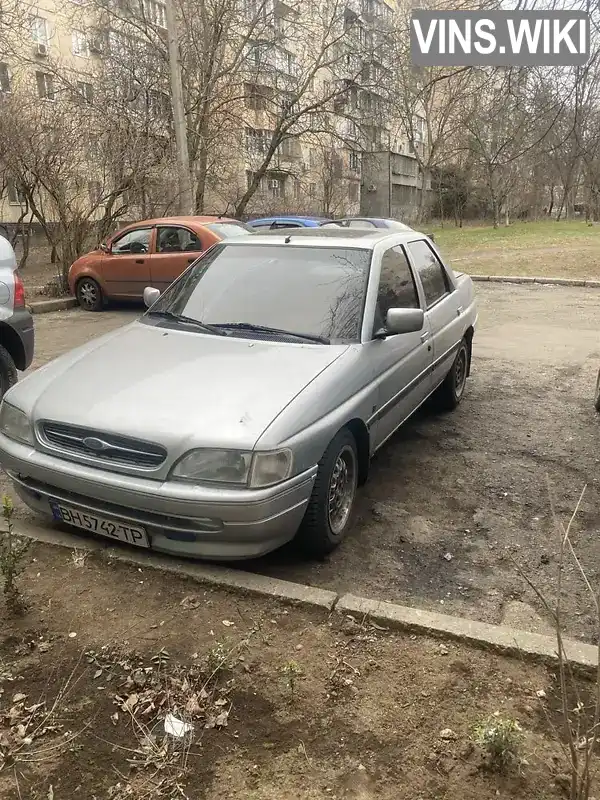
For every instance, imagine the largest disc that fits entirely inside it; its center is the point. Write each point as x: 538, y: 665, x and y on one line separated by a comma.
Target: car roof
x: 186, y: 220
x: 329, y: 237
x: 298, y: 218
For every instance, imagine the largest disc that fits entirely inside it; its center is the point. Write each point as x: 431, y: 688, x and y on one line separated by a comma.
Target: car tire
x: 597, y: 400
x: 89, y: 294
x: 8, y: 371
x: 449, y: 394
x: 329, y: 514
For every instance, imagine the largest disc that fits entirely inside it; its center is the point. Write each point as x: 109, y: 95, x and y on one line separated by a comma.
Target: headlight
x: 234, y: 466
x: 15, y: 424
x: 216, y: 466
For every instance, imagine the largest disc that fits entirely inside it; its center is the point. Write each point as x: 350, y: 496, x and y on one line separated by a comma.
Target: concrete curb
x: 508, y: 641
x: 56, y: 304
x: 498, y: 638
x: 543, y: 281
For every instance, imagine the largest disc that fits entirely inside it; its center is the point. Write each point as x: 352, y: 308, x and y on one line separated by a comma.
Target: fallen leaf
x: 191, y: 601
x: 203, y: 694
x: 19, y: 697
x: 221, y: 719
x: 131, y: 702
x: 114, y: 718
x: 72, y: 635
x: 192, y: 706
x: 221, y: 702
x: 32, y: 709
x: 50, y: 795
x: 228, y: 623
x: 97, y: 674
x: 43, y: 647
x: 21, y: 731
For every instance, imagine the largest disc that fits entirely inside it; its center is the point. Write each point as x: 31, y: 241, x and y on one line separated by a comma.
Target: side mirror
x: 404, y: 320
x: 151, y: 295
x: 104, y: 247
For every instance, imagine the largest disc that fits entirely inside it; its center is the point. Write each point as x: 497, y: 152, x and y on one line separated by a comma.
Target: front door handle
x: 139, y: 261
x: 425, y: 336
x: 191, y: 259
x: 459, y: 310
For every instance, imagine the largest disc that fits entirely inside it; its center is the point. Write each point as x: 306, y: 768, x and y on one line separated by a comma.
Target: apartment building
x: 292, y: 114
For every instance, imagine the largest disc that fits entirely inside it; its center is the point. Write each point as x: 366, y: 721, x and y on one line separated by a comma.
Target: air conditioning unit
x: 273, y: 184
x: 41, y: 49
x: 96, y: 46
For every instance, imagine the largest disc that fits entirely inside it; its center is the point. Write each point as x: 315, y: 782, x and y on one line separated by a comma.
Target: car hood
x: 178, y: 388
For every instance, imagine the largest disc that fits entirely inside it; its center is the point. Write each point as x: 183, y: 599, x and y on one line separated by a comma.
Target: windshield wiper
x: 249, y: 326
x: 187, y: 320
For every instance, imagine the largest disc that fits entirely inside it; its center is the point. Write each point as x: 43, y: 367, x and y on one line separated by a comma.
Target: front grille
x: 106, y: 447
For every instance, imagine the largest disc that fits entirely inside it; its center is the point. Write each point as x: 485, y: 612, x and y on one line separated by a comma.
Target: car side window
x: 396, y: 285
x: 177, y: 240
x: 278, y: 225
x: 431, y: 272
x: 137, y: 241
x: 361, y: 223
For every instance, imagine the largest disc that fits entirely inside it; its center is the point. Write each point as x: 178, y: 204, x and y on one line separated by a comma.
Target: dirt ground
x: 455, y: 501
x: 285, y: 704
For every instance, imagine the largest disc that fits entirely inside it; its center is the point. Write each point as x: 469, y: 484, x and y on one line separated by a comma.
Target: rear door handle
x: 139, y: 261
x: 190, y: 260
x: 425, y: 336
x: 459, y: 310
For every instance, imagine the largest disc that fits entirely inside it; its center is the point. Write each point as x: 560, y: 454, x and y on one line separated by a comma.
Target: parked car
x: 230, y: 418
x: 597, y: 400
x: 368, y: 223
x: 149, y: 253
x: 273, y: 223
x: 16, y: 322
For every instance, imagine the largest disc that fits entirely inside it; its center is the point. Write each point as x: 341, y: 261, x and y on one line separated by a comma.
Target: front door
x: 442, y: 314
x: 126, y: 268
x: 402, y: 362
x: 176, y: 248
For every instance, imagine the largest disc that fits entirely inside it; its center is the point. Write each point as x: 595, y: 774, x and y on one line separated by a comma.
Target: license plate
x: 132, y: 534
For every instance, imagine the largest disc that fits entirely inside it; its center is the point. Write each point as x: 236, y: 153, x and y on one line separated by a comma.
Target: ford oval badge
x: 97, y: 445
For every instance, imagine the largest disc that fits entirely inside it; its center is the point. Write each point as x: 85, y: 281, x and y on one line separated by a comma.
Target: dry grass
x: 569, y: 249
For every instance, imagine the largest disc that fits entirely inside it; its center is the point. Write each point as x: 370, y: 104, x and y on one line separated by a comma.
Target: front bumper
x: 181, y: 519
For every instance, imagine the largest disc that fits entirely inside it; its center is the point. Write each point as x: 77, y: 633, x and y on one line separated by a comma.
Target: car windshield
x: 227, y: 230
x: 317, y: 291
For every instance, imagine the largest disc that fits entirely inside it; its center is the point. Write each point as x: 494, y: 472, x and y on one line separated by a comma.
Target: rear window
x: 227, y: 230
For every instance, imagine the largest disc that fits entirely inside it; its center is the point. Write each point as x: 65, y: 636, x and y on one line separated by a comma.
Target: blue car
x: 368, y: 223
x: 273, y: 223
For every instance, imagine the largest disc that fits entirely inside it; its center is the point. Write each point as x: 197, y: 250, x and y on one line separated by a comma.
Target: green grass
x: 547, y: 248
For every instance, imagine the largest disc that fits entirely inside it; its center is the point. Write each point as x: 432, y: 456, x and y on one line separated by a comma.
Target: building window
x: 45, y: 86
x: 155, y: 12
x: 39, y: 30
x: 419, y: 126
x: 94, y: 192
x: 16, y: 196
x: 276, y: 187
x: 255, y: 96
x: 353, y: 192
x: 312, y: 190
x: 4, y: 78
x: 258, y: 141
x: 354, y: 161
x: 86, y: 90
x: 79, y: 44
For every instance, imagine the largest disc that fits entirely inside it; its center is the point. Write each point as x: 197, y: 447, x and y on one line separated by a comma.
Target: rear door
x: 442, y: 312
x: 126, y: 269
x: 176, y: 248
x: 402, y: 362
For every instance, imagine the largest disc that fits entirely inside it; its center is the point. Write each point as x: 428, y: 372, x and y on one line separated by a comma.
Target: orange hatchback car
x: 149, y: 253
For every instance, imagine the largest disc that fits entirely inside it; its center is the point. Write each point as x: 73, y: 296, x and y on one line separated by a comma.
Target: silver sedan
x: 243, y: 408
